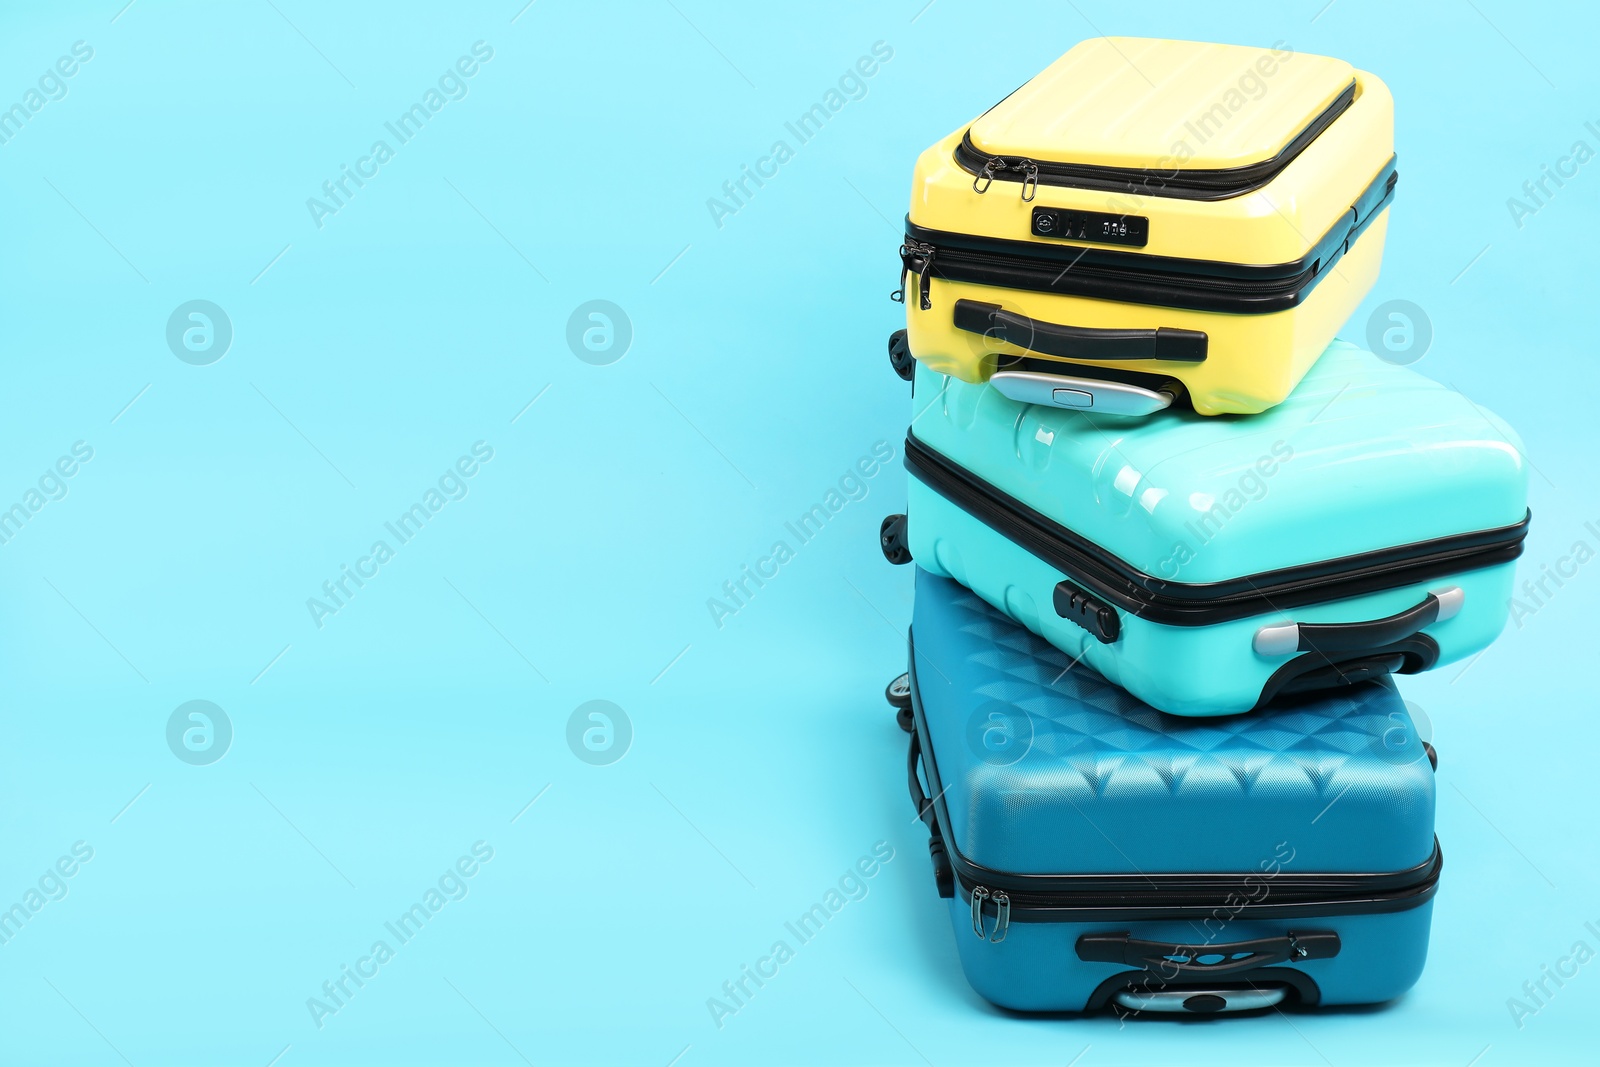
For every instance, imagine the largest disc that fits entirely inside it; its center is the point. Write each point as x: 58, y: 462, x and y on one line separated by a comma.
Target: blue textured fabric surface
x: 1048, y: 768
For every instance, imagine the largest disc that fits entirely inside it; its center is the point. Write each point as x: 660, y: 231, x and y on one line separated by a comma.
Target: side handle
x: 1285, y: 639
x: 943, y: 873
x: 1079, y: 342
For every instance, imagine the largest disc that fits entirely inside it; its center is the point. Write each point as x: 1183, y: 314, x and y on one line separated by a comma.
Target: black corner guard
x: 1096, y: 616
x: 1172, y: 960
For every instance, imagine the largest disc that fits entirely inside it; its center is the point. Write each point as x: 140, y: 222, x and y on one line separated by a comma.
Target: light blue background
x: 427, y: 713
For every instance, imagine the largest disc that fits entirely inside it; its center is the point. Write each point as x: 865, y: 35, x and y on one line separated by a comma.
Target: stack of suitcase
x: 1173, y: 540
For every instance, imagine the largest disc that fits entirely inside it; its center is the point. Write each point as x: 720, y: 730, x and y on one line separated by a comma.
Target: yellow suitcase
x: 1148, y: 221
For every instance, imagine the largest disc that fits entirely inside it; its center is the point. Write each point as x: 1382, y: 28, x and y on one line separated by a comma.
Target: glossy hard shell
x: 1131, y: 101
x: 1277, y: 223
x: 1364, y: 456
x: 1254, y: 360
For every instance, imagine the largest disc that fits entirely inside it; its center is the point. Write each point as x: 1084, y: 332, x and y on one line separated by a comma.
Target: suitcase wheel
x: 900, y: 355
x: 898, y: 694
x: 892, y: 539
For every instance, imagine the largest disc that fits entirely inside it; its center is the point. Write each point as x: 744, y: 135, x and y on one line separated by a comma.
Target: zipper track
x: 1283, y: 899
x: 1137, y: 277
x: 1127, y: 284
x: 1214, y: 184
x: 1206, y: 604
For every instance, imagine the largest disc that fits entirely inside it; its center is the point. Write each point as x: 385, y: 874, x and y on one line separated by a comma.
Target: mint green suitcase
x: 1366, y: 526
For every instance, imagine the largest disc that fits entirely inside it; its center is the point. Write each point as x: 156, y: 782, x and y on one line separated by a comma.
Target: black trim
x: 1161, y: 896
x: 900, y: 356
x: 1138, y: 278
x: 1148, y: 897
x: 1212, y: 184
x: 1206, y: 603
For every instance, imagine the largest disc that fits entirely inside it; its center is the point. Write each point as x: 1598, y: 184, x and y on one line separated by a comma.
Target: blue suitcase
x: 1367, y: 525
x: 1098, y: 854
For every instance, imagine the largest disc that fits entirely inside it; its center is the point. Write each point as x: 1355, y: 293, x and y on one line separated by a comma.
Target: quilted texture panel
x: 1050, y: 769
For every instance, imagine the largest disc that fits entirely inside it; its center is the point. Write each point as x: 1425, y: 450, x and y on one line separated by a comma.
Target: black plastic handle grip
x: 919, y: 796
x: 1172, y: 960
x: 943, y: 872
x: 1360, y: 636
x: 1079, y: 342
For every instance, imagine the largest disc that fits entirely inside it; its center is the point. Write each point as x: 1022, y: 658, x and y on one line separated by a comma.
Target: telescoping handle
x: 1172, y: 961
x: 1079, y: 342
x: 1285, y: 639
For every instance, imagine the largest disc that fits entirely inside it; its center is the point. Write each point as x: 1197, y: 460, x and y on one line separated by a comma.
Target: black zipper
x: 1205, y: 604
x: 1257, y: 895
x: 1134, y: 277
x: 1216, y: 184
x: 1126, y: 283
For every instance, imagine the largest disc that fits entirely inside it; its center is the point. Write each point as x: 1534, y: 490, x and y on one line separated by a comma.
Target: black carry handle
x: 1079, y: 342
x: 1171, y: 960
x: 919, y: 797
x: 943, y: 874
x: 1337, y: 637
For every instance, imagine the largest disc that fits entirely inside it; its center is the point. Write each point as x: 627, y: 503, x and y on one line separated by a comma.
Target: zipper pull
x: 1030, y: 178
x: 990, y: 169
x: 925, y: 277
x: 979, y: 895
x: 899, y: 295
x: 1002, y: 918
